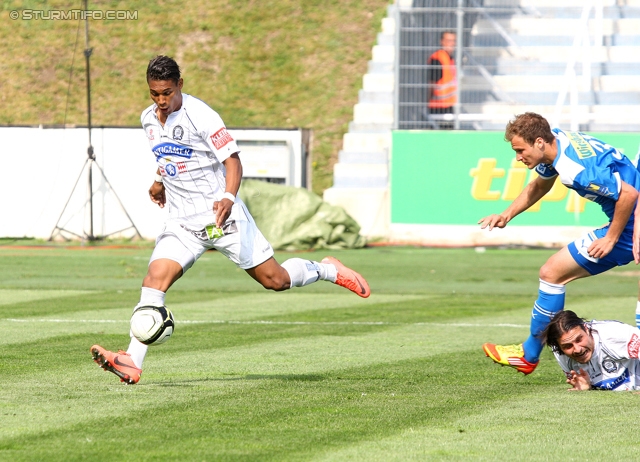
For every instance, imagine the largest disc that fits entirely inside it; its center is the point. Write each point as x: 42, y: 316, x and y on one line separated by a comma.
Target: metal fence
x: 576, y: 62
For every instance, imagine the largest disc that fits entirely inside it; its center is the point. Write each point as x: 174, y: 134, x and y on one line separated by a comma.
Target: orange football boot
x: 348, y: 278
x: 119, y: 363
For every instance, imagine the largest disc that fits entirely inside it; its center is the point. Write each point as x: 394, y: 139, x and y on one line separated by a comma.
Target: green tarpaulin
x: 296, y: 219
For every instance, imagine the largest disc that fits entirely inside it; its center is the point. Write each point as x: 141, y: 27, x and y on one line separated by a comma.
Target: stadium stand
x: 574, y: 61
x: 361, y: 175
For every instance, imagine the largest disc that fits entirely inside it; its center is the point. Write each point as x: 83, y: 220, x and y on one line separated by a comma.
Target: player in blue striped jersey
x: 597, y: 172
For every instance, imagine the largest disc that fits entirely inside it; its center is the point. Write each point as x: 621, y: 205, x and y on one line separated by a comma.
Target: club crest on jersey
x: 170, y: 149
x: 609, y: 365
x: 178, y: 133
x: 221, y: 138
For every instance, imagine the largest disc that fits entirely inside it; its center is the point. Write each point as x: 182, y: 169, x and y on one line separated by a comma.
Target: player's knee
x: 275, y: 282
x: 161, y: 276
x: 154, y: 282
x: 150, y: 280
x: 547, y: 273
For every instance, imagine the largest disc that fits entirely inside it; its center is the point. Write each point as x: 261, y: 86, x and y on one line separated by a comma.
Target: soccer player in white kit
x: 198, y: 177
x: 596, y: 355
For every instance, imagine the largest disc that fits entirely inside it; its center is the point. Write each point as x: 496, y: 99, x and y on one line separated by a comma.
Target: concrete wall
x: 42, y: 166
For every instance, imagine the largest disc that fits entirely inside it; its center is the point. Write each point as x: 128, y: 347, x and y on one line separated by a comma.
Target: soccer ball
x: 152, y: 325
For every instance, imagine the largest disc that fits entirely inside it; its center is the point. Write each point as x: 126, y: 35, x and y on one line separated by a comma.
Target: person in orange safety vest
x: 442, y: 79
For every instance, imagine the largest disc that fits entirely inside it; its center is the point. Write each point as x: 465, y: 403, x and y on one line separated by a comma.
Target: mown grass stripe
x: 337, y: 409
x: 312, y: 374
x: 268, y: 322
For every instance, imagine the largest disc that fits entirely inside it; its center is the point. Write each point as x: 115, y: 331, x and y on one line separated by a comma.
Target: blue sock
x: 550, y: 301
x: 638, y: 314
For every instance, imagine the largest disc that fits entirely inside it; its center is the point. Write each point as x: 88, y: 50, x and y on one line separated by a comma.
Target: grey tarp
x: 296, y: 219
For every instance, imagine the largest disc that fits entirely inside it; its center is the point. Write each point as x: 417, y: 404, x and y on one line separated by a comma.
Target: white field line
x: 311, y: 323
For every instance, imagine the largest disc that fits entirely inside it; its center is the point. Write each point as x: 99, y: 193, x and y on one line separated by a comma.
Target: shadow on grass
x: 287, y: 377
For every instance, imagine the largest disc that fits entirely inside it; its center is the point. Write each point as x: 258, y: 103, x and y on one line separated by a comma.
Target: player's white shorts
x: 185, y: 239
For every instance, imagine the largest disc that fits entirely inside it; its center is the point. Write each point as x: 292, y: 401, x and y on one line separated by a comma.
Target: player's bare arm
x: 157, y: 194
x: 531, y: 194
x: 636, y: 234
x: 625, y: 206
x: 223, y: 207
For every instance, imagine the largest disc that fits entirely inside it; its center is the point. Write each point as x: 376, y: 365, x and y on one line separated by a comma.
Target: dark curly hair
x: 560, y: 324
x: 163, y: 68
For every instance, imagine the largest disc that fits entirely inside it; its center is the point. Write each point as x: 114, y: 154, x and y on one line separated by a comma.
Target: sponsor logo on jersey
x: 170, y: 149
x: 182, y: 167
x: 601, y: 190
x: 199, y: 233
x: 221, y: 138
x: 178, y: 132
x: 211, y: 231
x: 546, y: 170
x: 230, y: 227
x: 150, y: 134
x: 582, y: 147
x: 633, y: 346
x: 171, y: 170
x: 612, y: 384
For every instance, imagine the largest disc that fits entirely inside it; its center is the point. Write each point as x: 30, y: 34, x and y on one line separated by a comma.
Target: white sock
x: 138, y: 350
x: 149, y: 296
x: 304, y: 272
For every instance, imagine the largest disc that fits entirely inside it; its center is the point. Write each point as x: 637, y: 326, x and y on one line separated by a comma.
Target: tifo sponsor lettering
x: 517, y: 177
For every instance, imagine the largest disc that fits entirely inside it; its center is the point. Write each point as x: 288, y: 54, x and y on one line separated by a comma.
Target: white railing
x: 581, y: 47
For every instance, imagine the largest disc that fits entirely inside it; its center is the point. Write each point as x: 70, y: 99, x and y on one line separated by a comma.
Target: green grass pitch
x: 315, y: 373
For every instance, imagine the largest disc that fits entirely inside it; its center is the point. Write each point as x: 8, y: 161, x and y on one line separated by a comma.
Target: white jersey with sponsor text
x: 189, y: 150
x: 614, y: 364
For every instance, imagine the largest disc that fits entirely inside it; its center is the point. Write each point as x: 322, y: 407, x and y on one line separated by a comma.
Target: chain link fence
x: 573, y: 61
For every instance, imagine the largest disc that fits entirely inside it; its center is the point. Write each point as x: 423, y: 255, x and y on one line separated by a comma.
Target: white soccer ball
x: 152, y: 325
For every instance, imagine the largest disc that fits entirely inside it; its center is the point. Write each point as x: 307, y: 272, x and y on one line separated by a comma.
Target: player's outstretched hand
x: 579, y: 380
x: 157, y: 195
x: 493, y: 221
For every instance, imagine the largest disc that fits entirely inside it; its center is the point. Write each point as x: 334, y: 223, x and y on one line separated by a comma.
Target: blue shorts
x: 621, y: 254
